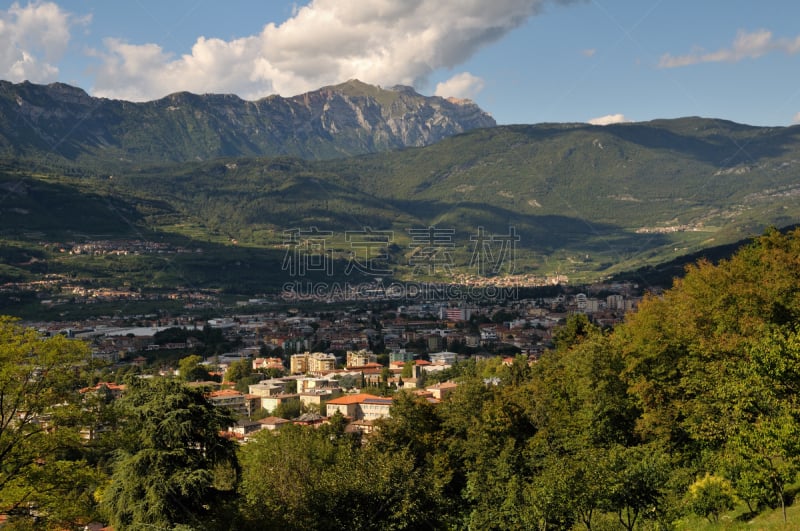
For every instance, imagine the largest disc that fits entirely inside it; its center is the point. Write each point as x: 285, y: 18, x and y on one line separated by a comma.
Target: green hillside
x: 584, y: 201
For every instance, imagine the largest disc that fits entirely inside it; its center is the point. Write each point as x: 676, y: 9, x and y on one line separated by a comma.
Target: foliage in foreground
x: 43, y: 467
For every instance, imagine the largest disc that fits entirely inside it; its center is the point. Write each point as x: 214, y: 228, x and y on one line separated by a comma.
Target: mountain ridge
x: 352, y: 118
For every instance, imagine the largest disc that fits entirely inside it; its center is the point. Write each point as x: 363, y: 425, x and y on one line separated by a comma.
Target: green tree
x: 43, y: 471
x: 288, y: 410
x: 638, y: 476
x: 494, y: 457
x: 308, y: 478
x: 408, y: 369
x: 191, y: 370
x: 238, y: 370
x: 685, y: 350
x: 173, y: 467
x: 413, y: 424
x: 575, y: 329
x: 582, y: 410
x: 709, y: 496
x: 518, y: 372
x: 771, y: 447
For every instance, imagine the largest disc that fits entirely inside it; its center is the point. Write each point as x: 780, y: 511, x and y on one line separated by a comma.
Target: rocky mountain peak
x: 351, y: 118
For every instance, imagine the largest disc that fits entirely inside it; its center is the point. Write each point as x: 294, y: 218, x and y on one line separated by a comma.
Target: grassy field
x: 737, y: 520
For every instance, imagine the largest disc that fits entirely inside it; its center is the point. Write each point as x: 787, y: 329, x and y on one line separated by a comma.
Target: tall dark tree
x: 173, y: 468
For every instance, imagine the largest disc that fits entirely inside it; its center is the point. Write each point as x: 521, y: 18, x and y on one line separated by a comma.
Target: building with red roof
x: 361, y: 406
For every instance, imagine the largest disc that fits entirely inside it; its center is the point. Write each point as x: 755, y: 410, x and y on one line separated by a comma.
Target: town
x: 271, y: 363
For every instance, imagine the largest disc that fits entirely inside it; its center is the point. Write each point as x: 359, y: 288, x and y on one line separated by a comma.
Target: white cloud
x: 796, y: 118
x: 609, y: 119
x: 463, y: 85
x: 325, y: 42
x: 745, y: 46
x: 32, y: 40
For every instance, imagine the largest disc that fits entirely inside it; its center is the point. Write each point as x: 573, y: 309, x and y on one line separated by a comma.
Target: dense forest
x: 689, y: 407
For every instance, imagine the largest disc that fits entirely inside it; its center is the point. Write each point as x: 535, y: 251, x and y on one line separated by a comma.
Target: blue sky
x: 524, y: 61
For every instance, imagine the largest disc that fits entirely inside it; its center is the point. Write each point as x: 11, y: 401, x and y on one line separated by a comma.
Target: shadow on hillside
x: 663, y: 274
x: 541, y: 234
x: 32, y: 205
x: 725, y: 144
x: 728, y: 145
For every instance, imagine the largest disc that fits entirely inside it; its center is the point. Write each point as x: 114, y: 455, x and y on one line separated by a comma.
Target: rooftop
x: 352, y: 399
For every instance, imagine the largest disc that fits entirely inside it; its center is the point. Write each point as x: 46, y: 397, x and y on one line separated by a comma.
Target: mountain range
x: 436, y: 180
x: 353, y: 118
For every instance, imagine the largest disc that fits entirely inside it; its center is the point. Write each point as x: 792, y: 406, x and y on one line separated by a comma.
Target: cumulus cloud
x: 796, y: 118
x: 463, y: 85
x: 32, y: 40
x: 745, y: 46
x: 609, y: 119
x: 325, y: 42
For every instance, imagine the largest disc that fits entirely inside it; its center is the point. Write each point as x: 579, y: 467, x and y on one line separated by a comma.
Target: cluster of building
x: 414, y: 340
x: 319, y: 397
x: 120, y: 247
x: 317, y: 338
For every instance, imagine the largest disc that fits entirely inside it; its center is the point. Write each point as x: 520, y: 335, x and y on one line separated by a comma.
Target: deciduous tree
x: 42, y: 470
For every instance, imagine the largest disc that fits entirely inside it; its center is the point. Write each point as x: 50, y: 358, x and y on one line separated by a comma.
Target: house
x: 442, y: 390
x: 267, y: 388
x: 319, y: 396
x: 309, y: 384
x: 319, y: 362
x: 313, y: 362
x: 234, y: 400
x: 273, y: 423
x: 360, y: 358
x: 268, y: 363
x: 269, y: 403
x: 361, y: 406
x: 456, y: 314
x: 376, y: 407
x: 404, y: 383
x: 360, y: 426
x: 298, y: 363
x: 443, y: 358
x: 401, y: 355
x: 309, y: 419
x: 434, y: 342
x: 245, y: 428
x: 346, y: 405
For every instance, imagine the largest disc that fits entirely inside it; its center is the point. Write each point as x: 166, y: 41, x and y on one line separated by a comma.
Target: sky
x: 523, y: 61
